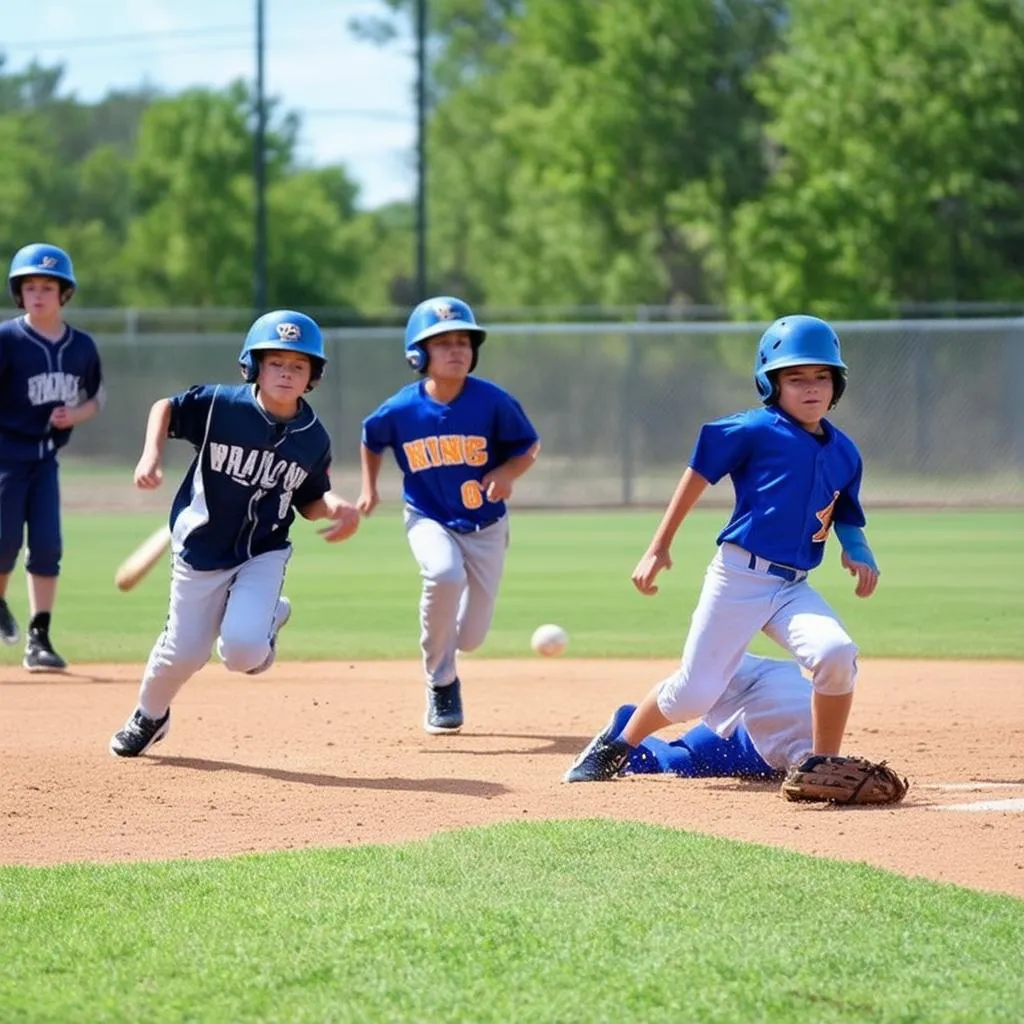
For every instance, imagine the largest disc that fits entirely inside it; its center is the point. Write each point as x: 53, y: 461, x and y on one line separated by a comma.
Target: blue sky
x: 355, y: 98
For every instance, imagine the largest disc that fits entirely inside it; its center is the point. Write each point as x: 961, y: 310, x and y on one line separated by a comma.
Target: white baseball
x: 549, y: 640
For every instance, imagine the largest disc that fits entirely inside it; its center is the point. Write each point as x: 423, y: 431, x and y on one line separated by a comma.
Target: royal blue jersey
x: 790, y: 484
x: 250, y: 473
x: 36, y: 376
x: 444, y: 451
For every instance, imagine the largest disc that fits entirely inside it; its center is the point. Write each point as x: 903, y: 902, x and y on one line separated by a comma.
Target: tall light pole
x: 421, y: 150
x: 260, y: 174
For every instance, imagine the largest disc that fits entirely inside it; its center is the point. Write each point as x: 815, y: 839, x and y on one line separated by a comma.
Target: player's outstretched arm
x: 343, y: 514
x: 370, y: 463
x: 149, y: 471
x: 688, y: 491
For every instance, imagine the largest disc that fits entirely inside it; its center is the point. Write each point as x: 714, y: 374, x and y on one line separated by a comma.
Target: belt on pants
x: 475, y: 527
x: 785, y: 572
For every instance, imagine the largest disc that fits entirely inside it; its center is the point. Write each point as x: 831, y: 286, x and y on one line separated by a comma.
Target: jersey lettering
x: 445, y: 450
x: 472, y: 494
x: 255, y: 467
x: 45, y: 388
x: 825, y: 518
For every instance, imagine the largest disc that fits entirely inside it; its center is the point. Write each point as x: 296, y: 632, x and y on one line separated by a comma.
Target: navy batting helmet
x: 41, y: 260
x: 797, y: 341
x: 288, y: 331
x: 436, y: 316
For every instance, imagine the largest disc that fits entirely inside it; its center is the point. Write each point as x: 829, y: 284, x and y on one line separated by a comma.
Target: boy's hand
x: 497, y: 484
x: 647, y: 570
x: 149, y: 473
x: 368, y: 500
x: 867, y: 578
x: 344, y: 518
x: 63, y: 417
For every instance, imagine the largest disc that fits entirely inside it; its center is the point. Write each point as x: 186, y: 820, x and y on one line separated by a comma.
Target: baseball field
x: 298, y: 849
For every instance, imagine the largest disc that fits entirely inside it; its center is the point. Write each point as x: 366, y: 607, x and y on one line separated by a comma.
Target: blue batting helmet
x: 797, y: 341
x: 435, y: 316
x: 41, y: 260
x: 288, y: 331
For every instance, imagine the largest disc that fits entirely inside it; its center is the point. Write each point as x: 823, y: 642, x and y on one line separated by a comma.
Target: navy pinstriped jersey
x: 444, y: 450
x: 36, y: 376
x: 790, y: 485
x: 250, y: 473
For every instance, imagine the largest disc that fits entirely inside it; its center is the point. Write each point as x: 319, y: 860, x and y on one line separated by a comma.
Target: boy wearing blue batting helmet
x: 795, y: 476
x: 460, y: 443
x: 261, y: 456
x: 50, y: 382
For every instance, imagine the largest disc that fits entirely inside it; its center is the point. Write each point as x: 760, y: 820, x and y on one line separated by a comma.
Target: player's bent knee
x: 452, y: 578
x: 242, y: 654
x: 682, y: 698
x: 43, y: 563
x: 836, y: 672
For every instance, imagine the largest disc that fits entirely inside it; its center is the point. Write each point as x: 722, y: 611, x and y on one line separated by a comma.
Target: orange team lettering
x: 416, y: 454
x: 825, y: 518
x: 476, y: 450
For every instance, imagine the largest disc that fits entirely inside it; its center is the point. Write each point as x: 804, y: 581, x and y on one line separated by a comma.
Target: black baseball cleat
x: 40, y: 655
x: 8, y: 627
x: 444, y: 709
x: 139, y: 734
x: 602, y: 759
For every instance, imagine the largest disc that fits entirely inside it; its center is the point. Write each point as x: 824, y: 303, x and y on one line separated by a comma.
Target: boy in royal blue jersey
x: 795, y: 475
x: 461, y: 443
x: 261, y: 456
x: 50, y: 382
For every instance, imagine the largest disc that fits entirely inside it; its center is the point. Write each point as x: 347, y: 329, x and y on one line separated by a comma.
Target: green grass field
x: 952, y: 587
x: 582, y: 921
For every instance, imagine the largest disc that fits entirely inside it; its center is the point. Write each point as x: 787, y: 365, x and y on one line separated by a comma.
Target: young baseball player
x: 50, y: 382
x: 795, y: 476
x: 758, y: 728
x: 261, y: 455
x: 461, y: 443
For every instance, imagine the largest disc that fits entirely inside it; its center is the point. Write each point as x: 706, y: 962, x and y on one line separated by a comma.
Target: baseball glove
x: 844, y: 780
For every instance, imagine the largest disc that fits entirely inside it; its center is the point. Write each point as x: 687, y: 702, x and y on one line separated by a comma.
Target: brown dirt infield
x: 334, y: 755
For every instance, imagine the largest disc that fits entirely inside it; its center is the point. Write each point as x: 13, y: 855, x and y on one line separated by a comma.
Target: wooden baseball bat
x: 142, y: 559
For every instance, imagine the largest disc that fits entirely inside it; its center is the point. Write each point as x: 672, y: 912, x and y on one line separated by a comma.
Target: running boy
x: 50, y: 382
x: 795, y: 475
x: 461, y: 443
x: 261, y: 455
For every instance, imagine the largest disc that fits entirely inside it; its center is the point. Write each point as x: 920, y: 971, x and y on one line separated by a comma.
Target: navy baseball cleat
x: 444, y: 709
x: 139, y: 734
x: 40, y: 655
x: 602, y: 759
x: 8, y: 627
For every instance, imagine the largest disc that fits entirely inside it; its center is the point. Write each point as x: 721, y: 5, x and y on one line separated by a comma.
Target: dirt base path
x: 334, y: 755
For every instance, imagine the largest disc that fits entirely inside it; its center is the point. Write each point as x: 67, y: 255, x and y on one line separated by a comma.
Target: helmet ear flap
x: 476, y: 354
x: 250, y: 367
x: 417, y: 357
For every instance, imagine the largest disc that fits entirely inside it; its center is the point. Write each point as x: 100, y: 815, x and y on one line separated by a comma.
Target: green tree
x: 896, y: 159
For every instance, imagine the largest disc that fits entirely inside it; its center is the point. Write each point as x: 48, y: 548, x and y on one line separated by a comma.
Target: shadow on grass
x: 460, y: 787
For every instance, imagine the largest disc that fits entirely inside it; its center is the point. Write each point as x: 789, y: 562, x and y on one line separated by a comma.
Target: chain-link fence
x: 936, y: 406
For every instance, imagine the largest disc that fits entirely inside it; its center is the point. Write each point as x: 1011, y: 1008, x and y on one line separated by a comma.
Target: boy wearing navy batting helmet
x: 261, y: 456
x: 796, y: 476
x: 50, y: 382
x: 460, y: 443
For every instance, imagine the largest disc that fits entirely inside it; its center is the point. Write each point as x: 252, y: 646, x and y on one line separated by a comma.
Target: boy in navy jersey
x: 795, y: 476
x: 261, y: 455
x: 50, y: 382
x: 461, y: 443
